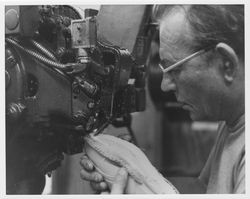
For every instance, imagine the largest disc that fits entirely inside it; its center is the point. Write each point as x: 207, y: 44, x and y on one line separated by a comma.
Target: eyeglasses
x: 166, y: 67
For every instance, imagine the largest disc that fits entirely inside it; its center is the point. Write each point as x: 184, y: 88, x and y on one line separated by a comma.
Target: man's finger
x: 120, y: 182
x: 126, y: 137
x: 105, y: 193
x: 91, y: 176
x: 100, y: 186
x: 86, y: 163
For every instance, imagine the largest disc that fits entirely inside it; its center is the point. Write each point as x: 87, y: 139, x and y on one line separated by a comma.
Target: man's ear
x: 230, y: 61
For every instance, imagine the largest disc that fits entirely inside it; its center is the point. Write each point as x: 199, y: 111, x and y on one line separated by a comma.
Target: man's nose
x: 167, y: 83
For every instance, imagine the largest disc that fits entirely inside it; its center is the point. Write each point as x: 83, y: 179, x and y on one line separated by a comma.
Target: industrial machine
x: 69, y: 72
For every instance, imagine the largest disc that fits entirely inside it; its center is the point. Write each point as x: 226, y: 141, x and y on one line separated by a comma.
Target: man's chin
x: 192, y: 116
x: 195, y: 117
x: 198, y: 117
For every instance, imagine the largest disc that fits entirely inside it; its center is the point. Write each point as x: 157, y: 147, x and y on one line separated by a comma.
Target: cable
x: 43, y: 50
x: 128, y: 120
x: 40, y: 57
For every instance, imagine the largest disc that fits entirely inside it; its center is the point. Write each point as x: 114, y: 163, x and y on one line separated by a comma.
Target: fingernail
x: 90, y: 166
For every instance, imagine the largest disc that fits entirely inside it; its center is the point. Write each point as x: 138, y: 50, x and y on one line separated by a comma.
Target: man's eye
x: 176, y: 71
x: 166, y: 63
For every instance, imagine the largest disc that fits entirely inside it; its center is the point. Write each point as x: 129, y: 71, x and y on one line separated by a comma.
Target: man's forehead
x: 168, y: 52
x: 175, y: 35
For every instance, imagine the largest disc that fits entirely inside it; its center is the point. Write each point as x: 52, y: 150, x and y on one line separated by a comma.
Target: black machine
x: 69, y: 72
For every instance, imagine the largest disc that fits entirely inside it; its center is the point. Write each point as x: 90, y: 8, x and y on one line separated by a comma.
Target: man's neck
x: 235, y: 116
x: 236, y: 106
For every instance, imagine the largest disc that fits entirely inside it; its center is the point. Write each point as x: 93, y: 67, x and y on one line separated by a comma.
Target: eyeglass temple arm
x: 165, y: 70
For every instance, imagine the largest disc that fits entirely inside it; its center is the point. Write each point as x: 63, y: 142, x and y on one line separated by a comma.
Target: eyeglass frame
x: 184, y: 60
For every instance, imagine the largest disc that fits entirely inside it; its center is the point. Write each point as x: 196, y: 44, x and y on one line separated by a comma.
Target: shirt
x: 224, y: 171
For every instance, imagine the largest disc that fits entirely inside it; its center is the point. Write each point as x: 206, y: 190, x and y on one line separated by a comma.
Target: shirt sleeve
x: 205, y: 173
x: 239, y: 187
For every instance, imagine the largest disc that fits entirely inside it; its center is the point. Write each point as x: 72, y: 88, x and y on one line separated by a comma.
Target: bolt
x: 107, y: 71
x: 60, y: 51
x: 76, y: 116
x: 90, y: 123
x: 76, y: 90
x: 79, y: 128
x: 79, y: 115
x: 91, y: 105
x: 11, y: 61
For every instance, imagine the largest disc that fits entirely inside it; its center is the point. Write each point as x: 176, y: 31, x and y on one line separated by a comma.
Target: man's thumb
x: 120, y: 182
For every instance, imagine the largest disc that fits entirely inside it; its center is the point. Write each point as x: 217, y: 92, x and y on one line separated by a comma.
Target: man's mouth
x: 185, y: 105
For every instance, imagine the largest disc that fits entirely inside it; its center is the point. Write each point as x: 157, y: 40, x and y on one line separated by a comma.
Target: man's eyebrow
x: 167, y: 62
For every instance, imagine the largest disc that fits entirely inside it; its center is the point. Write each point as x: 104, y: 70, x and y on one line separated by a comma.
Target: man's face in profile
x: 195, y: 83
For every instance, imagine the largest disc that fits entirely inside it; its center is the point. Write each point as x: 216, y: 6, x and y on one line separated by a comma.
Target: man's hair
x: 212, y: 24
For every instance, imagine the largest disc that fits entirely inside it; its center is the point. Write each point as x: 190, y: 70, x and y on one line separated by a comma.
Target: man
x: 202, y: 53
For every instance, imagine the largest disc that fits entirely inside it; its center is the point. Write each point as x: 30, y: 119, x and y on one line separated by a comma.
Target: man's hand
x: 89, y: 173
x: 119, y: 184
x: 96, y: 179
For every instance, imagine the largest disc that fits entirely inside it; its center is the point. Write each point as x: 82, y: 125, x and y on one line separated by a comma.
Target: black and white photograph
x: 113, y: 99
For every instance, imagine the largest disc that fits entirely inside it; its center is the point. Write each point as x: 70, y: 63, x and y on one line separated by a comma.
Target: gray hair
x: 212, y: 24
